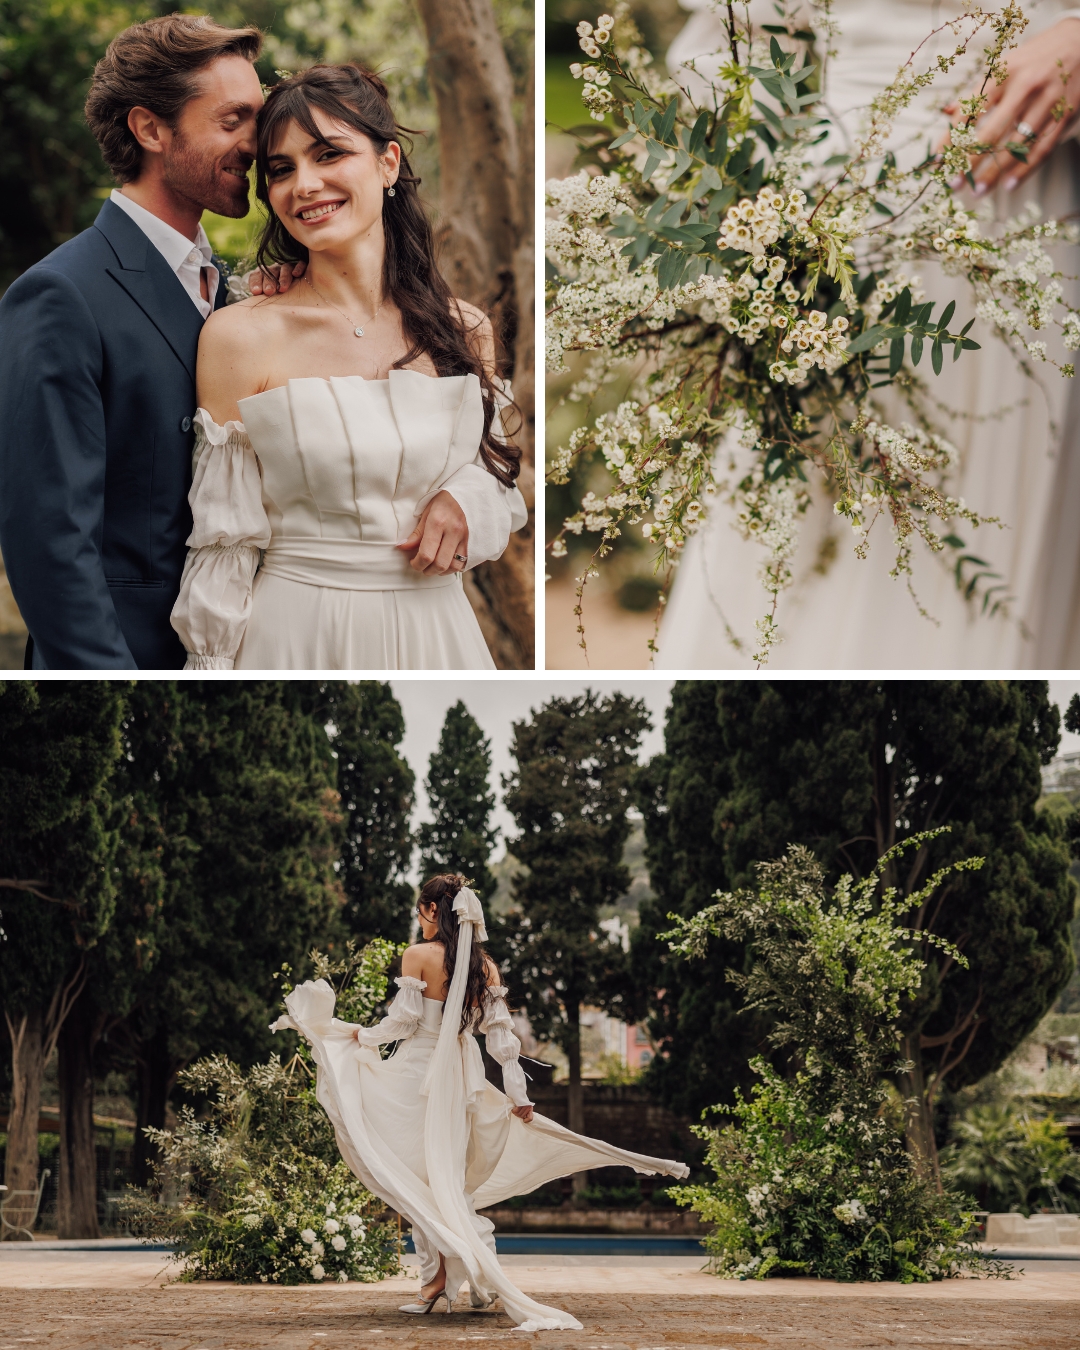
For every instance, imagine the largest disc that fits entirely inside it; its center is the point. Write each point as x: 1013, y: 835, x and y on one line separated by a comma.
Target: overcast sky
x: 497, y: 704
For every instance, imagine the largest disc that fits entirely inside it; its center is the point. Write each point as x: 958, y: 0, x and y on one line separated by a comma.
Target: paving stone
x: 194, y: 1317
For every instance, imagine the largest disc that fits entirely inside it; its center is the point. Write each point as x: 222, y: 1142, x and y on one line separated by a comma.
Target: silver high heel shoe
x: 425, y: 1305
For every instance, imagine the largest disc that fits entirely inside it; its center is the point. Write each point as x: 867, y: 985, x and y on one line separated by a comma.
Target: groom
x: 97, y: 353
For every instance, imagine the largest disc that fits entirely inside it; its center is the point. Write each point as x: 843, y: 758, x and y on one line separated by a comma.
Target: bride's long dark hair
x: 411, y: 277
x: 439, y: 891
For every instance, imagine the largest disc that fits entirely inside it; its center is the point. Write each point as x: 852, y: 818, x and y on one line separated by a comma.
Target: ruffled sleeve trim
x: 409, y: 982
x: 214, y: 434
x: 496, y: 991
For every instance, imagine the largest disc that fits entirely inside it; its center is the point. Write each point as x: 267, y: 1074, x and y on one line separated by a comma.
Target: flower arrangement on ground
x: 761, y: 293
x: 812, y: 1173
x: 252, y: 1188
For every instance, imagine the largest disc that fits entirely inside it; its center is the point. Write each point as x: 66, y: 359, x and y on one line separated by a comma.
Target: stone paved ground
x: 186, y: 1317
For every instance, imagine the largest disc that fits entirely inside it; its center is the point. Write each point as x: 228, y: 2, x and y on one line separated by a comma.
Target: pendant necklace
x: 357, y: 328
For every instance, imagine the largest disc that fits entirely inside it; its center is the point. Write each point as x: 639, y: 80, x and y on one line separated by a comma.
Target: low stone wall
x: 566, y: 1218
x: 1041, y: 1230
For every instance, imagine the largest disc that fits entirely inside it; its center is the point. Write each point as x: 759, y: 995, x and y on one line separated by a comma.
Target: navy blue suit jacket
x: 97, y: 391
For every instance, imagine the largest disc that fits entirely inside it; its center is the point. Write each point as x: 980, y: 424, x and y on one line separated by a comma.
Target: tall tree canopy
x: 365, y: 725
x: 576, y: 759
x: 59, y: 743
x: 848, y: 768
x: 461, y: 837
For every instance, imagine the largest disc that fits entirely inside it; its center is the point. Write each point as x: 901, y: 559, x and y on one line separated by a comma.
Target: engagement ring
x: 1026, y: 131
x: 459, y: 557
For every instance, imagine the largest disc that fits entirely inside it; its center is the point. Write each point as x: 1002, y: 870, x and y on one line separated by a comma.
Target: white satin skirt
x: 298, y: 625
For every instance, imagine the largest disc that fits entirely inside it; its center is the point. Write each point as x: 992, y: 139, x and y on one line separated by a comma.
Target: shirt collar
x: 174, y: 247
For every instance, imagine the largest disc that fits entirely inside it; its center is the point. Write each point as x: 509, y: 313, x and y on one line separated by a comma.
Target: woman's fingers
x: 1050, y: 130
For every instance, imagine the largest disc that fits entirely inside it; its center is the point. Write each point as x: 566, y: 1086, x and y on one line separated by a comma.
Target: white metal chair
x: 19, y: 1211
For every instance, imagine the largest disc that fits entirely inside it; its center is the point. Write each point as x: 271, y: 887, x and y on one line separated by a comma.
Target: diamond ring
x: 461, y: 558
x: 1026, y: 131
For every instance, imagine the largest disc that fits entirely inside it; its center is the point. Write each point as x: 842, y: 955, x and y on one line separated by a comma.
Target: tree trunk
x: 27, y: 1068
x: 918, y: 1111
x: 77, y: 1215
x: 486, y: 253
x: 155, y: 1076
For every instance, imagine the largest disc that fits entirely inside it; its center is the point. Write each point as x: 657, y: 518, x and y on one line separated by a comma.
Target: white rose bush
x: 759, y: 297
x: 257, y: 1191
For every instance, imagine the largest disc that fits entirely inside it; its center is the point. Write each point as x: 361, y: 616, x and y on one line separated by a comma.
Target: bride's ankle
x: 430, y: 1291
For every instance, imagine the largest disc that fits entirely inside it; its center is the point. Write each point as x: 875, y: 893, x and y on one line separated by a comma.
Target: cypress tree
x: 569, y: 793
x: 365, y: 726
x: 460, y: 838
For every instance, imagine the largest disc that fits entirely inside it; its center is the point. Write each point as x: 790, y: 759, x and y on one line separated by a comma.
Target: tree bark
x: 155, y: 1077
x: 918, y: 1111
x: 486, y: 253
x: 77, y: 1215
x: 28, y: 1066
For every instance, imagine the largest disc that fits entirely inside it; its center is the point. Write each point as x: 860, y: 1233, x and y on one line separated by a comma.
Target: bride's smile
x: 327, y: 189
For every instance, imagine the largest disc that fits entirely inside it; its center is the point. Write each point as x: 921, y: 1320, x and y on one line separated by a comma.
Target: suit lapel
x: 150, y: 282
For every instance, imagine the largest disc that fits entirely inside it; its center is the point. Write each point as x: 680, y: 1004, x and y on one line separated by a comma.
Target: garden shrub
x: 251, y: 1187
x: 811, y: 1171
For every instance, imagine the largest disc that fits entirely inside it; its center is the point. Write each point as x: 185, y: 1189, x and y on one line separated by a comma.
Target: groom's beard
x: 201, y: 181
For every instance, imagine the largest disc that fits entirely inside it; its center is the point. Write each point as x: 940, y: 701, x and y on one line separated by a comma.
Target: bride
x: 1018, y: 433
x: 424, y: 1130
x: 350, y: 458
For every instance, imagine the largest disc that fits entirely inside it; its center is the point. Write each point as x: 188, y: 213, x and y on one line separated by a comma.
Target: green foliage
x: 263, y: 1196
x: 1012, y: 1162
x: 849, y: 768
x: 263, y: 1192
x: 233, y: 785
x: 569, y: 794
x: 830, y: 1195
x: 460, y: 838
x: 812, y: 1173
x: 365, y: 725
x: 59, y: 741
x: 359, y: 979
x: 51, y: 173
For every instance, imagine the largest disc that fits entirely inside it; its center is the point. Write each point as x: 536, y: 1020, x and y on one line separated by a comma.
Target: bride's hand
x: 1041, y: 91
x: 524, y: 1113
x: 441, y: 538
x: 281, y: 276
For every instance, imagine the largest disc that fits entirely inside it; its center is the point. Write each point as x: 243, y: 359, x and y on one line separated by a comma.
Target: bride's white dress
x: 845, y: 613
x: 425, y: 1131
x: 297, y: 509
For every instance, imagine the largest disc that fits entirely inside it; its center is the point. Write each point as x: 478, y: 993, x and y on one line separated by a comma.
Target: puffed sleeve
x: 493, y: 512
x: 229, y: 531
x: 502, y: 1044
x: 402, y: 1017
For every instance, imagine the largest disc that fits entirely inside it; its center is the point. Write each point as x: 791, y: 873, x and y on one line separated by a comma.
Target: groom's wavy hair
x: 411, y: 278
x: 440, y: 891
x: 155, y: 65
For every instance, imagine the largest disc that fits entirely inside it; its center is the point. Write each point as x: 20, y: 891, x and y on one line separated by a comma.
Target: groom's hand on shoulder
x: 276, y: 279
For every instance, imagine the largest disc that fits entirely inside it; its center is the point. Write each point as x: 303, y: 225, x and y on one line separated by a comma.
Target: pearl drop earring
x: 390, y: 192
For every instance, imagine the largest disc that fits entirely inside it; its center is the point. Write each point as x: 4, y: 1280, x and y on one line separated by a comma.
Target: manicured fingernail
x: 1009, y: 184
x: 981, y: 189
x: 954, y: 183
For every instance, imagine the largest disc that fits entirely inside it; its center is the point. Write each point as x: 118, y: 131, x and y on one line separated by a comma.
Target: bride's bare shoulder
x: 422, y: 958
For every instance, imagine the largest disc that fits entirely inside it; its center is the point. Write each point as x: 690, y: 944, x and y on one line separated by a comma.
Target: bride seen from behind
x: 351, y: 459
x: 424, y: 1129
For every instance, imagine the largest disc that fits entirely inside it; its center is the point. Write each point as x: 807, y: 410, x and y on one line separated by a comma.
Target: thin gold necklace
x: 357, y: 328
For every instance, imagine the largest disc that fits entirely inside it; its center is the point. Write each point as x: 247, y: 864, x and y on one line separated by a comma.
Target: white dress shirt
x: 189, y: 260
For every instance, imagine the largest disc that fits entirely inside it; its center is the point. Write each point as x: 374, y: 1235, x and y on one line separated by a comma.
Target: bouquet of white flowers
x: 761, y: 294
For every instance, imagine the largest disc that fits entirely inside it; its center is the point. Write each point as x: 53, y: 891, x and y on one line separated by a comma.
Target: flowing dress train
x: 426, y: 1132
